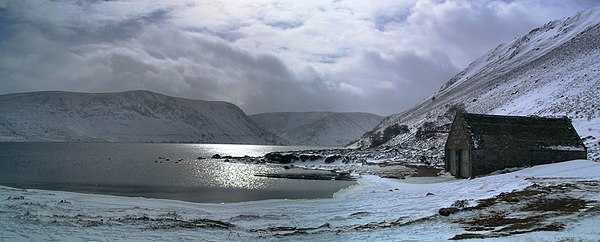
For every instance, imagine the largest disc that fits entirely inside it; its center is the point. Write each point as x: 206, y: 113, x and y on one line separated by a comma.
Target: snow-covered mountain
x: 133, y: 116
x: 554, y: 70
x: 317, y: 128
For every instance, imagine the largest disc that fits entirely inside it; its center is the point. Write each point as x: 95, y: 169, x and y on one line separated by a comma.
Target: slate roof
x: 495, y: 132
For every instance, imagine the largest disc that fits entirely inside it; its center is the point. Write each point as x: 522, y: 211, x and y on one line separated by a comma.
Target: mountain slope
x: 317, y: 128
x: 134, y: 116
x: 551, y: 71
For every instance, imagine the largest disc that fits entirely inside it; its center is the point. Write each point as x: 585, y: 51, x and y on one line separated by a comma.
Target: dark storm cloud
x: 264, y: 56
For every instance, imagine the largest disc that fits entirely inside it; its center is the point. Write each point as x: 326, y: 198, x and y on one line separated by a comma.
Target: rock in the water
x: 216, y: 156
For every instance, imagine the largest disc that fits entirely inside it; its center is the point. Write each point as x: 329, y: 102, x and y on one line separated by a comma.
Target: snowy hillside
x: 134, y: 116
x: 551, y: 71
x: 317, y: 128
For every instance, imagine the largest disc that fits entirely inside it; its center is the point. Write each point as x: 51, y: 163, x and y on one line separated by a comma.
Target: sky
x: 380, y: 56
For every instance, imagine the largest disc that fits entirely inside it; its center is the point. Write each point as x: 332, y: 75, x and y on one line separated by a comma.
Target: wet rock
x: 429, y: 194
x: 393, y: 176
x: 216, y: 156
x: 332, y: 159
x: 307, y: 176
x: 448, y: 211
x: 344, y: 176
x: 305, y: 157
x: 325, y: 225
x: 281, y: 158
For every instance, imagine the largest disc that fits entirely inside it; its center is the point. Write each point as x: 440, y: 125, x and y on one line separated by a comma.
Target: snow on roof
x: 564, y: 148
x: 496, y: 132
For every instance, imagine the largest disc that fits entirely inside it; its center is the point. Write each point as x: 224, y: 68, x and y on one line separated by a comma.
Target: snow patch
x: 564, y: 148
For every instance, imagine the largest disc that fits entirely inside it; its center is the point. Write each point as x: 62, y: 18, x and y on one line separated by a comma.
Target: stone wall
x: 457, y: 138
x: 487, y: 161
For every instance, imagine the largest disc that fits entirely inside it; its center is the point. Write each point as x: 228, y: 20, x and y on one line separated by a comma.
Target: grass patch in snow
x: 564, y: 204
x: 536, y: 208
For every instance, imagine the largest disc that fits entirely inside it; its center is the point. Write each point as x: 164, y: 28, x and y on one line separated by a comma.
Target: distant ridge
x: 317, y: 128
x: 131, y: 116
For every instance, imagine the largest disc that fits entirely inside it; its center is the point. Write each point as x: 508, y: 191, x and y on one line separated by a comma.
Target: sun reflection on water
x: 237, y: 150
x: 232, y: 175
x: 217, y: 173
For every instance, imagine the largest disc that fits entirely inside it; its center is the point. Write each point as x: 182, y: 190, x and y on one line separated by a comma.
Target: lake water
x: 134, y: 169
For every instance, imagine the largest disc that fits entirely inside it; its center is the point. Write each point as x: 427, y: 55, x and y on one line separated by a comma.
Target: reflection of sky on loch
x: 237, y: 150
x: 233, y: 175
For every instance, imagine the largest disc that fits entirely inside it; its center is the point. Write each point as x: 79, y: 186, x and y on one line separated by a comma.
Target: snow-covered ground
x: 377, y: 209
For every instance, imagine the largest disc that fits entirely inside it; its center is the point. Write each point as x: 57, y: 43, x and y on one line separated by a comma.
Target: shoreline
x: 171, y: 193
x: 362, y: 211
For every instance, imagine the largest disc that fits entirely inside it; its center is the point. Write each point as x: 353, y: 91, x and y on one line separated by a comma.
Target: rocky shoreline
x: 348, y: 164
x: 343, y: 176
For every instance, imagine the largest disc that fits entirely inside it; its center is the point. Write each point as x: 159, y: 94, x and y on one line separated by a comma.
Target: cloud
x: 264, y: 55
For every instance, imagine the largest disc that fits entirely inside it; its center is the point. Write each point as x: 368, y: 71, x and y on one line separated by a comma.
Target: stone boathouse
x: 479, y: 144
